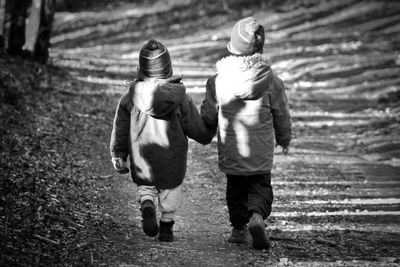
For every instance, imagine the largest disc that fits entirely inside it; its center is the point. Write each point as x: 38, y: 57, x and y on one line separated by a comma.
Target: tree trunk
x: 33, y: 38
x: 32, y: 26
x: 38, y: 30
x: 16, y: 33
x: 2, y: 22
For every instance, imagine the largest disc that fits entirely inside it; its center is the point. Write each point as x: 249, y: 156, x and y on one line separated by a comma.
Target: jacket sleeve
x: 119, y: 143
x: 210, y: 107
x: 280, y: 113
x: 192, y: 123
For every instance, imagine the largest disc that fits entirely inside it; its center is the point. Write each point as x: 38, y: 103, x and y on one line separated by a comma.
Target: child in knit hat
x: 248, y: 104
x: 152, y: 124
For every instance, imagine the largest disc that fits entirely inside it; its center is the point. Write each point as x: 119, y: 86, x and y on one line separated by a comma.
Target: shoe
x: 166, y: 234
x: 238, y: 235
x: 149, y: 219
x: 257, y: 231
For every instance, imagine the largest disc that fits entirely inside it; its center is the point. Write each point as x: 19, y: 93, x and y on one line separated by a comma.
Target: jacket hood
x: 158, y: 97
x: 248, y: 76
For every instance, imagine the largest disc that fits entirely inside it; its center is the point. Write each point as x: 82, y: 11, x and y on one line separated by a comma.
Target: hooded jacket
x: 151, y: 125
x: 249, y: 106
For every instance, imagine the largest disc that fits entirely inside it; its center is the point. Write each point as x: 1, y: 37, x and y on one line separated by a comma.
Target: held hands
x: 285, y: 149
x: 120, y: 165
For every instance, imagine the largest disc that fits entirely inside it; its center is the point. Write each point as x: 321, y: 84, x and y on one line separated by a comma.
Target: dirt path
x: 337, y: 199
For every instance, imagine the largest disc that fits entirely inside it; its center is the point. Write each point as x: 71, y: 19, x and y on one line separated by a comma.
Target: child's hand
x: 120, y: 165
x: 285, y: 150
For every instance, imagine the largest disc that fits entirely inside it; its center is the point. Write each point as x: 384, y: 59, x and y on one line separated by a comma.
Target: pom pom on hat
x: 247, y: 37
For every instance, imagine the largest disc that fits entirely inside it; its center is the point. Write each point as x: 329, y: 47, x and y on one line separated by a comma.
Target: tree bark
x: 16, y: 33
x: 41, y: 52
x: 2, y: 22
x: 33, y: 26
x: 38, y: 31
x: 27, y: 33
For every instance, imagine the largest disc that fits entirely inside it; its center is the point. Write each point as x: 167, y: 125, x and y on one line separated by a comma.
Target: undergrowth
x: 48, y: 176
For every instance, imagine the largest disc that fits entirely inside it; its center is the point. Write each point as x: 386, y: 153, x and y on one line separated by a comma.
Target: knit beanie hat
x: 154, y: 61
x: 247, y: 37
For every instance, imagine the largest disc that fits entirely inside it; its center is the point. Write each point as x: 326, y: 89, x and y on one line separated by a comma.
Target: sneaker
x: 257, y: 231
x: 166, y: 233
x: 238, y: 235
x: 149, y: 219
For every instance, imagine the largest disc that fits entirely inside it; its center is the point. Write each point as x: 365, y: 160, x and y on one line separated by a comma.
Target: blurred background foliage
x: 95, y: 5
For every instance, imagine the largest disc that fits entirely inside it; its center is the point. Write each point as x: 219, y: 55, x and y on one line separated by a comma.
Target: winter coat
x: 249, y: 106
x: 152, y: 123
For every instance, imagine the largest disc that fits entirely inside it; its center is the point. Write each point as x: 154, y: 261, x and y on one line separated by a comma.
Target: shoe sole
x: 166, y: 238
x: 238, y: 239
x: 150, y: 226
x: 260, y: 240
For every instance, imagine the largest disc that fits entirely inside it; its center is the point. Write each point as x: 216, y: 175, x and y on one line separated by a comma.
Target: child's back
x: 157, y: 112
x: 152, y: 124
x: 252, y: 109
x: 249, y: 106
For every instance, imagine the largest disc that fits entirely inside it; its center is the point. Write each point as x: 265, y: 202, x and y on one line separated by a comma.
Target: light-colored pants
x: 168, y: 199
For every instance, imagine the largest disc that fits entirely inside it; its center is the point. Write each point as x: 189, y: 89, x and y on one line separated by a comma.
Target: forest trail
x: 337, y: 194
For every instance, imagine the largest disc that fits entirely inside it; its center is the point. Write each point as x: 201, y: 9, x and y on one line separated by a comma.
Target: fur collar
x: 246, y: 78
x: 244, y: 63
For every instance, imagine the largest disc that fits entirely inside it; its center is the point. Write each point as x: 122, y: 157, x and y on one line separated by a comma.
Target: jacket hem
x: 233, y: 172
x: 140, y: 182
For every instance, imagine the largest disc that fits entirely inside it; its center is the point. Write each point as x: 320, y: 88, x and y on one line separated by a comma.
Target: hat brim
x: 232, y: 50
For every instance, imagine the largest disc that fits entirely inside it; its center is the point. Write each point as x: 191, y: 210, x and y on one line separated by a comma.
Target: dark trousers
x: 246, y: 194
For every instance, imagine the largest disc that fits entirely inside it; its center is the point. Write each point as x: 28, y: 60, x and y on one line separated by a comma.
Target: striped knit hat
x: 154, y: 61
x: 247, y: 37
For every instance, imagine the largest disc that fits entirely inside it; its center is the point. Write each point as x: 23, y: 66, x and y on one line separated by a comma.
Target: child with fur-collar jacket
x: 247, y: 103
x: 152, y: 124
